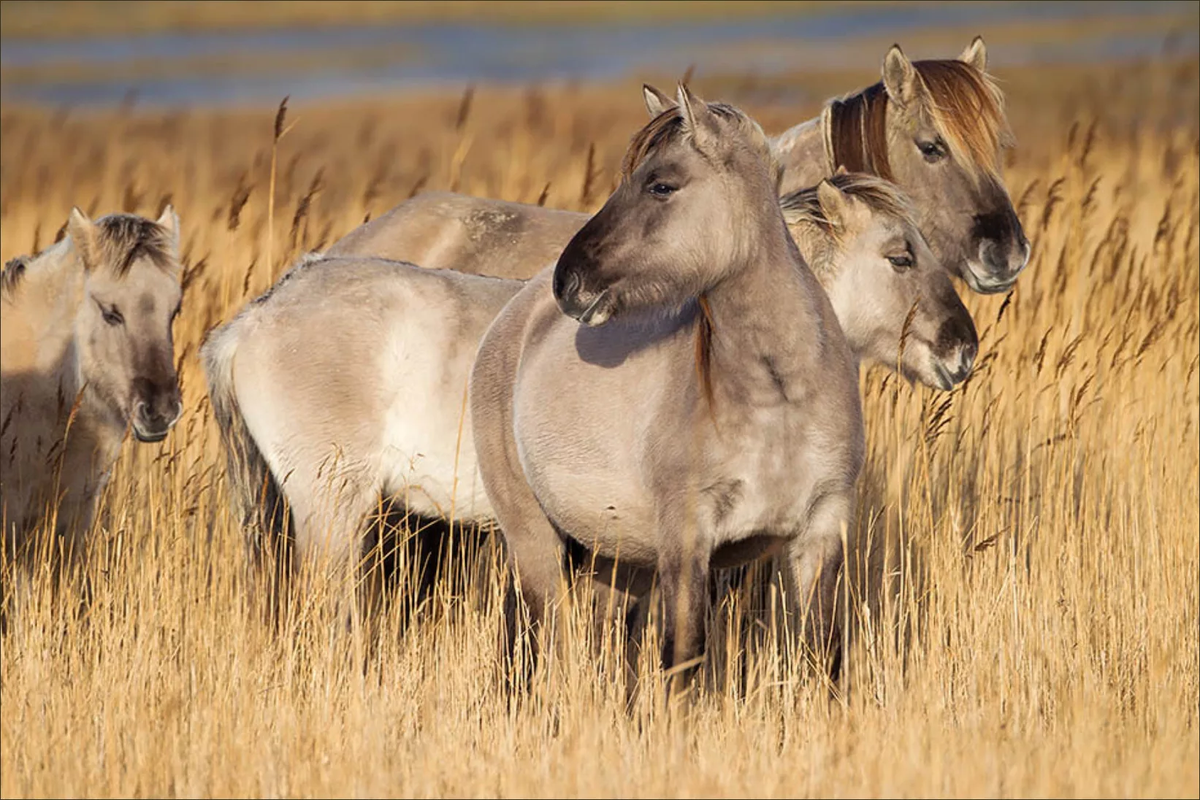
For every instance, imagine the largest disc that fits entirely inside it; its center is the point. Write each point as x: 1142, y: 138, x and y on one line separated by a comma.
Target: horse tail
x: 256, y: 493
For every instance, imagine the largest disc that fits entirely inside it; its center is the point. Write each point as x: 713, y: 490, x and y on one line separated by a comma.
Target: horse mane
x: 878, y: 194
x: 704, y: 336
x: 10, y: 278
x: 122, y: 239
x: 965, y: 106
x: 856, y: 132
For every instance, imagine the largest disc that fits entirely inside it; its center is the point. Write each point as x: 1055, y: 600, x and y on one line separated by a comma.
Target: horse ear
x: 169, y: 221
x: 975, y: 54
x: 697, y: 119
x: 899, y: 76
x: 841, y: 170
x: 656, y: 101
x: 83, y: 236
x: 834, y: 204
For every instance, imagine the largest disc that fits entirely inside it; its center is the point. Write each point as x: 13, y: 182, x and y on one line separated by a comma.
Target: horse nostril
x: 566, y: 284
x: 967, y: 356
x: 991, y: 256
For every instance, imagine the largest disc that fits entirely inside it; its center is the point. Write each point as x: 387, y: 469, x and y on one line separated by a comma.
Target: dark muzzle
x: 156, y: 407
x: 1003, y: 251
x: 957, y: 346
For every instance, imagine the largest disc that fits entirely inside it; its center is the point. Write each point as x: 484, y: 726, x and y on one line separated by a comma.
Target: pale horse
x: 86, y: 354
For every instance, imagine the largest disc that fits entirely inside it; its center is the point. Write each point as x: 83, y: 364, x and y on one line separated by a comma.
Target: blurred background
x: 173, y: 54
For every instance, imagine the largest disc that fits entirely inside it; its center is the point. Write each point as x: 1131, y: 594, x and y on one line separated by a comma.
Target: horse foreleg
x: 815, y: 572
x: 683, y: 570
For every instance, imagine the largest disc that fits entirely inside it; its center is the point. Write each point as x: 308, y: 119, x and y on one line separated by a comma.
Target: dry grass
x: 1029, y: 622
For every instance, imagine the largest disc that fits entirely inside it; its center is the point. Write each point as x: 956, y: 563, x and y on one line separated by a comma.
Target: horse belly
x: 751, y: 548
x: 427, y: 444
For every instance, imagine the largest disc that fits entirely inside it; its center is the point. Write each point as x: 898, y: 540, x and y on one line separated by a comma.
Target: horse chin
x: 150, y: 437
x: 598, y: 312
x: 928, y: 372
x: 941, y: 378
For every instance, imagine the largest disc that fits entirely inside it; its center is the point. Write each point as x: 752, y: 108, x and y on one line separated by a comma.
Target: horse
x: 936, y: 128
x: 86, y: 355
x: 677, y: 394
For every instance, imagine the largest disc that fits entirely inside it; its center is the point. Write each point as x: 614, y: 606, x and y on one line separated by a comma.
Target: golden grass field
x: 1027, y: 620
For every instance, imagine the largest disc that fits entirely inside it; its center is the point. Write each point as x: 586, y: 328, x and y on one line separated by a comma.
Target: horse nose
x: 156, y: 409
x: 172, y: 407
x: 966, y: 360
x: 568, y: 292
x: 1005, y: 257
x: 957, y: 346
x: 566, y: 283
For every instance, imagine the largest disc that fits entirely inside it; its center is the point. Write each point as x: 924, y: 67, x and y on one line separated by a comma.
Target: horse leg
x: 329, y: 536
x: 535, y: 556
x: 814, y: 572
x: 535, y: 550
x: 683, y: 571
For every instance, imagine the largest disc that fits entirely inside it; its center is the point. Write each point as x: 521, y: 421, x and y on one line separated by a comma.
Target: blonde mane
x: 878, y: 194
x: 965, y: 106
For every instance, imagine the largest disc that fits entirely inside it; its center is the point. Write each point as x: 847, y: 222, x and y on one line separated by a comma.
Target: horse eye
x: 933, y: 151
x: 661, y: 190
x: 901, y: 262
x: 112, y: 316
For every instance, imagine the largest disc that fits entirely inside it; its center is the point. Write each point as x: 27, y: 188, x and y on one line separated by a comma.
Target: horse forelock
x: 878, y: 194
x: 123, y: 239
x: 965, y: 106
x: 669, y: 125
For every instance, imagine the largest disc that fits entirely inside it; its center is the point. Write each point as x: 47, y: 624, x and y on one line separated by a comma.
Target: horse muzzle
x: 590, y: 308
x: 151, y: 422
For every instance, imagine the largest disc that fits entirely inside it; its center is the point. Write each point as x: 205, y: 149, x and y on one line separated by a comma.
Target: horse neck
x: 802, y: 152
x: 764, y: 320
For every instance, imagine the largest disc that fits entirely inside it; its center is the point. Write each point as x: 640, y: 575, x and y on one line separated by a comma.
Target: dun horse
x: 935, y: 128
x: 678, y: 395
x: 86, y: 354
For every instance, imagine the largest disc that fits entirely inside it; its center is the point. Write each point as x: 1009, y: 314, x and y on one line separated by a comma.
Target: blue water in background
x: 455, y: 54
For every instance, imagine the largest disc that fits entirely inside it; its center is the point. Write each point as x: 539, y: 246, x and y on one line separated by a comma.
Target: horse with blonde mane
x: 86, y: 354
